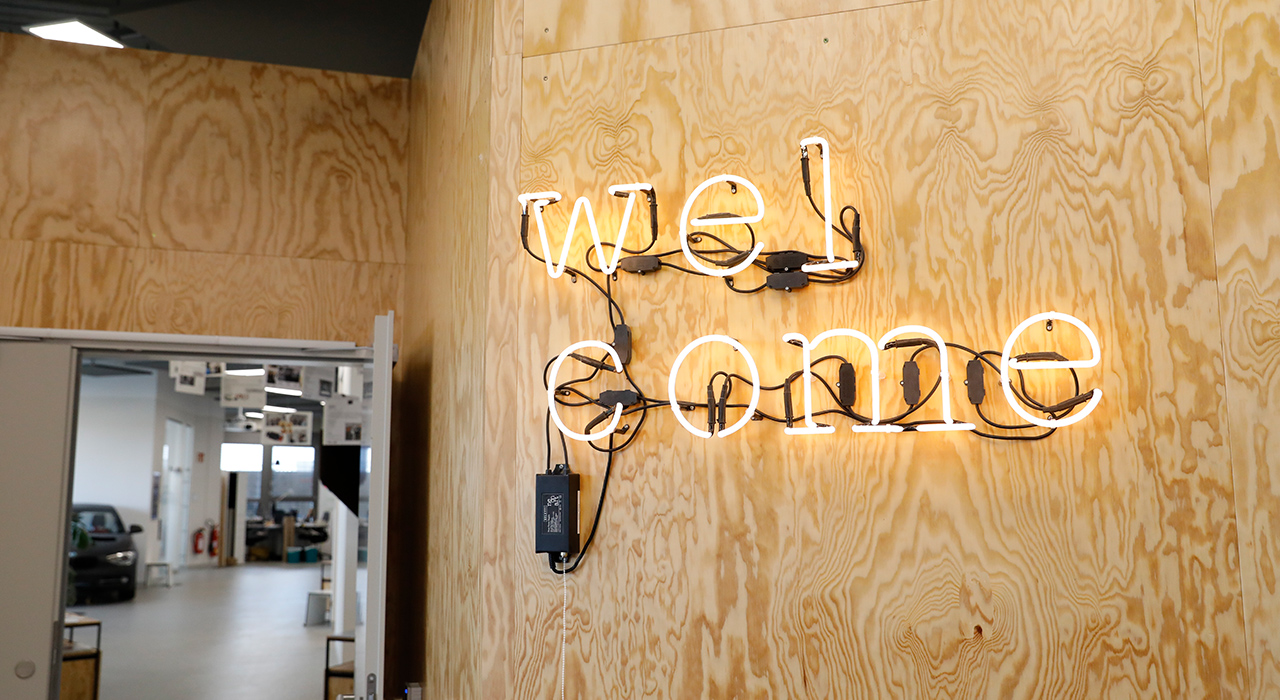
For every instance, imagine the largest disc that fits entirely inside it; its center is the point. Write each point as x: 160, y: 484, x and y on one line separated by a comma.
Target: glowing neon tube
x: 832, y: 264
x: 943, y: 372
x: 807, y: 346
x: 726, y: 221
x: 539, y: 200
x: 755, y: 385
x: 1007, y: 363
x: 551, y: 391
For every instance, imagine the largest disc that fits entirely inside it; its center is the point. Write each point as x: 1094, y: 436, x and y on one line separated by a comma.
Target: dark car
x: 110, y: 563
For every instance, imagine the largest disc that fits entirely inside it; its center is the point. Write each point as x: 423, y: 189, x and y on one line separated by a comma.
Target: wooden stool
x: 339, y: 679
x: 81, y: 664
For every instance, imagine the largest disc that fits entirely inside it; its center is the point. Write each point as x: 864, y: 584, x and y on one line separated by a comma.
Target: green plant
x: 79, y: 539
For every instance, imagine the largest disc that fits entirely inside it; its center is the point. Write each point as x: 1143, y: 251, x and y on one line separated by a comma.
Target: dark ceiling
x: 377, y: 38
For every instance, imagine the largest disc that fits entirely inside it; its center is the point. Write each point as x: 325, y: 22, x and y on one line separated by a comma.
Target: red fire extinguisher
x: 197, y: 541
x: 213, y: 540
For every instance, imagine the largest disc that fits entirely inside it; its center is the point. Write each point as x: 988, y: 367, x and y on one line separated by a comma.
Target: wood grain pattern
x: 1010, y: 159
x: 179, y: 292
x: 90, y: 135
x: 552, y: 26
x: 266, y: 160
x: 67, y: 285
x: 508, y: 433
x: 445, y: 326
x: 70, y: 142
x: 508, y: 27
x: 1240, y: 57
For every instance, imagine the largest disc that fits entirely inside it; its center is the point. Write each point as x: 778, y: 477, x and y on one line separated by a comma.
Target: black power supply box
x: 557, y: 512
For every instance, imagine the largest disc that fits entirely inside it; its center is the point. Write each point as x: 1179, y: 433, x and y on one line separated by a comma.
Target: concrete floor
x: 222, y: 634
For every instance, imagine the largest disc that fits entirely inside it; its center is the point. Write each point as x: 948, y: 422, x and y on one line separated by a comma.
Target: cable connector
x: 907, y: 343
x: 910, y: 383
x: 711, y: 407
x: 640, y: 264
x: 612, y: 397
x: 787, y: 281
x: 593, y: 362
x: 848, y: 385
x: 788, y: 412
x: 785, y: 261
x: 622, y: 342
x: 804, y: 170
x: 1048, y: 356
x: 974, y: 381
x: 722, y: 406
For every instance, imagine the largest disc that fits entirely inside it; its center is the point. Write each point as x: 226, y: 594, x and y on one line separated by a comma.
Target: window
x: 240, y: 457
x: 98, y: 522
x: 293, y: 479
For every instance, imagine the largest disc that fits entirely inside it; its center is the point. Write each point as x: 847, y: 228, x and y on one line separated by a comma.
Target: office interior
x: 219, y: 519
x: 1111, y: 164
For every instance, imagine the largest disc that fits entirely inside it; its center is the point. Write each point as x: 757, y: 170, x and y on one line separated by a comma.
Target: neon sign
x: 786, y: 270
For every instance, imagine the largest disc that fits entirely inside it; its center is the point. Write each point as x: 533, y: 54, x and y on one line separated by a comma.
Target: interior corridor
x: 218, y: 634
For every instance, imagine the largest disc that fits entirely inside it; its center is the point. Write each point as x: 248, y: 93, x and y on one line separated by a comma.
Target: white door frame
x: 251, y: 349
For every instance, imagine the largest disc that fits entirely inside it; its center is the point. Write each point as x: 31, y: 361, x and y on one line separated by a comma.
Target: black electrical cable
x: 595, y: 523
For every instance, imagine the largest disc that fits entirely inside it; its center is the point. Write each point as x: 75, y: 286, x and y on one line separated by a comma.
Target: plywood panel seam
x: 1223, y: 328
x: 781, y: 20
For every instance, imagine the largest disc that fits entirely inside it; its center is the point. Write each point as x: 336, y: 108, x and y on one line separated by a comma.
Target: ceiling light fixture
x: 75, y: 32
x: 286, y: 392
x: 253, y: 414
x: 278, y: 409
x: 246, y: 372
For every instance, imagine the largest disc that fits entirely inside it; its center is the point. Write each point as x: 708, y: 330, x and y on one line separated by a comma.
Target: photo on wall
x: 287, y: 428
x: 284, y: 377
x: 190, y: 378
x: 318, y: 382
x: 243, y: 392
x: 343, y: 421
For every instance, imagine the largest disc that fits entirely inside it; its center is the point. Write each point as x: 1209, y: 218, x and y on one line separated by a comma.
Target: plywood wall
x: 149, y: 192
x: 1105, y: 160
x: 444, y: 388
x: 1240, y: 55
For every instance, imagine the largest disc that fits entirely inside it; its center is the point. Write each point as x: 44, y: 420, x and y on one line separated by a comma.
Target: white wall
x: 120, y: 441
x: 115, y: 446
x: 205, y: 415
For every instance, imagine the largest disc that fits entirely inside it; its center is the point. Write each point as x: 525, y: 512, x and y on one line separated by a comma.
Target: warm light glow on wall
x: 551, y: 391
x: 720, y: 221
x: 1007, y: 363
x: 755, y: 385
x: 943, y: 372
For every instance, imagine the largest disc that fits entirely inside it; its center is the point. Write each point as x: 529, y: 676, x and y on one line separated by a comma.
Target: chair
x: 168, y: 573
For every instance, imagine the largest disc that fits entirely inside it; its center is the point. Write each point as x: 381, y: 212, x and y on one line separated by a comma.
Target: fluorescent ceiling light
x: 75, y: 32
x: 253, y: 414
x: 246, y: 372
x: 278, y: 409
x: 286, y: 392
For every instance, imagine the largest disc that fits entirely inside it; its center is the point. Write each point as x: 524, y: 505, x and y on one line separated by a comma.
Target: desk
x: 81, y: 663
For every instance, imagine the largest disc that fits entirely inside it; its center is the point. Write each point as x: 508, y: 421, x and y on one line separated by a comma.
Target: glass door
x: 371, y: 616
x: 175, y: 499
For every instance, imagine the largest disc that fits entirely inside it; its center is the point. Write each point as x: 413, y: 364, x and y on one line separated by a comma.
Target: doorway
x: 36, y: 487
